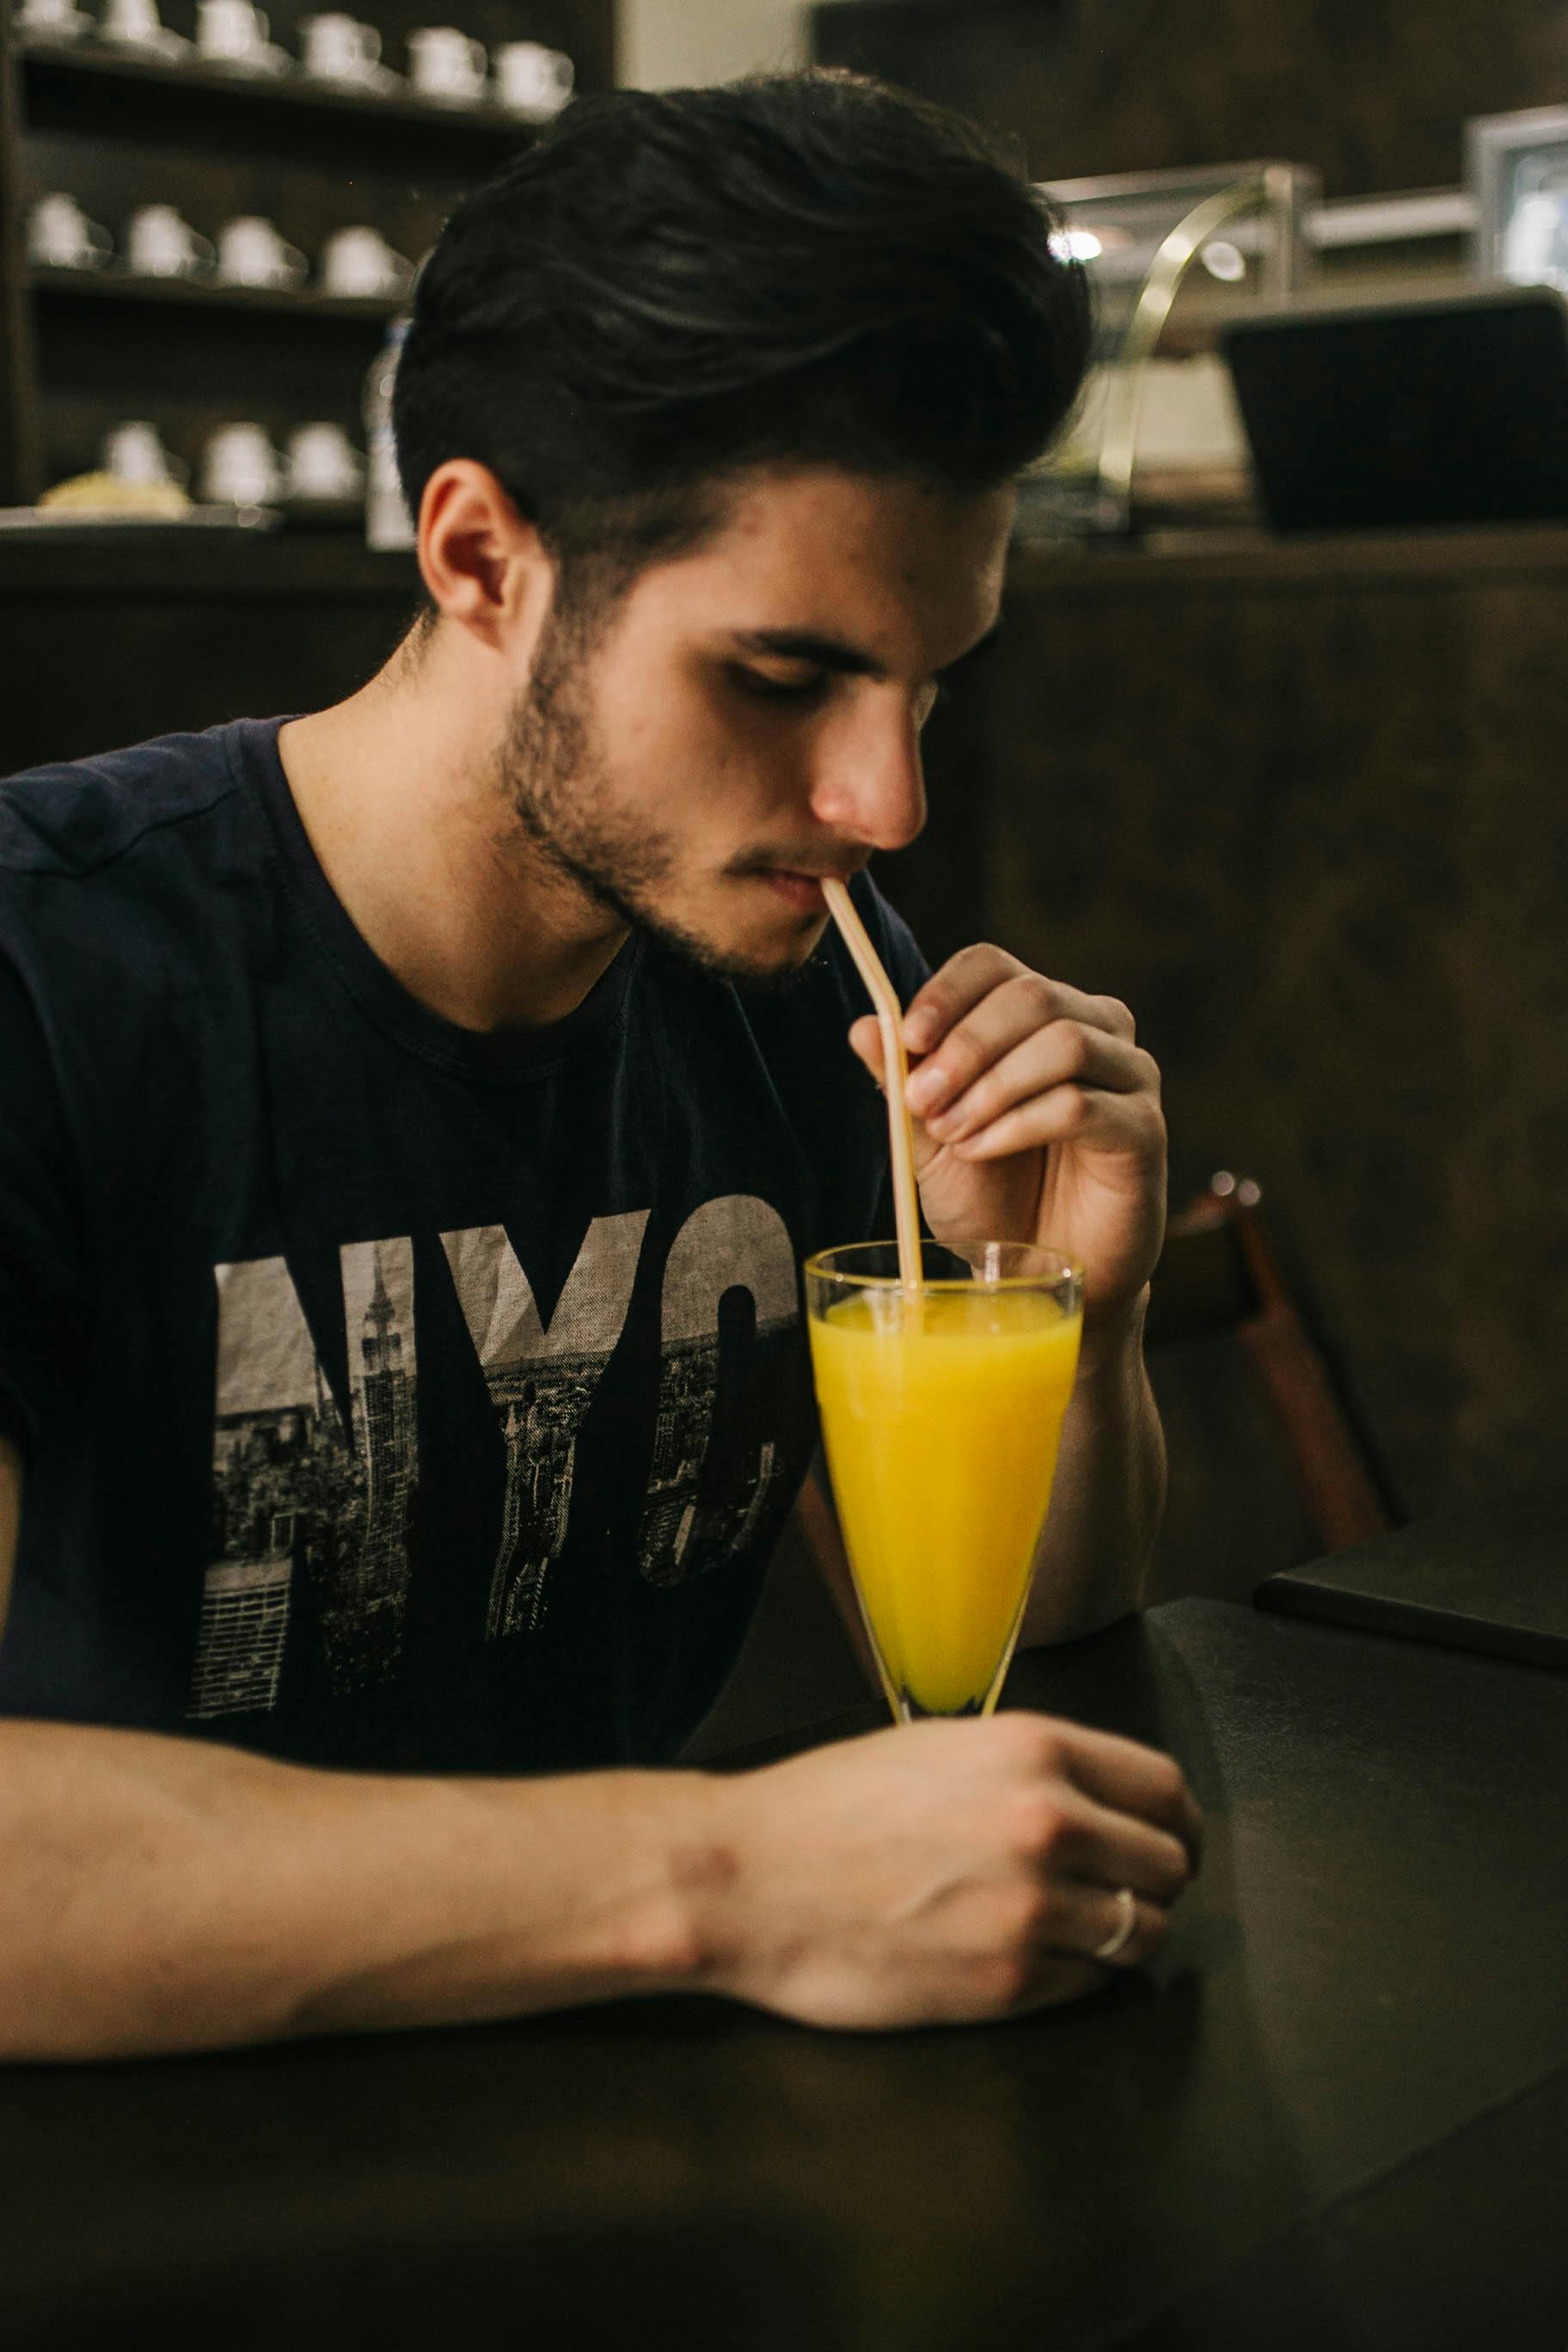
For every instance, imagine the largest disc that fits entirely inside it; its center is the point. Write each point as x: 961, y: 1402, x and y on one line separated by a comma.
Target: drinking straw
x: 895, y: 1071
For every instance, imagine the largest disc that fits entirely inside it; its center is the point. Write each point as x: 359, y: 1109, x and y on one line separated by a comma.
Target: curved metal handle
x: 1180, y: 248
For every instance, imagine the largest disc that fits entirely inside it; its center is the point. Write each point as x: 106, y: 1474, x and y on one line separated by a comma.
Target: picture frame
x: 1516, y: 167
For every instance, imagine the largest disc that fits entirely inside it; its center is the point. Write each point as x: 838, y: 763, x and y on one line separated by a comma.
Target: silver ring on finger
x: 1120, y: 1934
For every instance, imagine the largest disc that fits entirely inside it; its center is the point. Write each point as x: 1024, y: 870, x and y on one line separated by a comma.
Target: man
x: 412, y: 1118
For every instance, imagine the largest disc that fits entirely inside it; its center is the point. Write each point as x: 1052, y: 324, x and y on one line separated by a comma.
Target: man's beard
x: 556, y: 781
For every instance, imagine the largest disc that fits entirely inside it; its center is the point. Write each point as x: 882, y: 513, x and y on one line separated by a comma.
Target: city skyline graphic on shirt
x: 288, y: 1490
x: 306, y: 1513
x: 708, y: 1484
x: 540, y: 1381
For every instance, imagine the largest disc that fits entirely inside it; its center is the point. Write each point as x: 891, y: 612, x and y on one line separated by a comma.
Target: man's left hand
x: 1037, y: 1118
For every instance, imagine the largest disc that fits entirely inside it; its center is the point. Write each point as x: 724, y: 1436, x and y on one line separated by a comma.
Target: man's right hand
x: 945, y: 1873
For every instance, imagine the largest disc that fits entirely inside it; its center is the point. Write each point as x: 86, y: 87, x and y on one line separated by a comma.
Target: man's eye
x: 757, y: 682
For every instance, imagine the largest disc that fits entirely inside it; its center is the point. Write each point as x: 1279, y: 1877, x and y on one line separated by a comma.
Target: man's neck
x: 399, y: 793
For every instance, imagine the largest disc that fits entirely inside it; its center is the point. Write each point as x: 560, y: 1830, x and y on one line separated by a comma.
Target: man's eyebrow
x: 805, y: 644
x: 834, y: 653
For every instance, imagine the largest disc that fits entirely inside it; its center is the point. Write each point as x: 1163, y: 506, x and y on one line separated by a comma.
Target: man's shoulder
x: 78, y: 818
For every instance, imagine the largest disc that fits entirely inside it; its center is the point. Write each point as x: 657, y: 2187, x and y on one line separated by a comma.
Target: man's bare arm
x: 164, y: 1893
x: 1108, y: 1500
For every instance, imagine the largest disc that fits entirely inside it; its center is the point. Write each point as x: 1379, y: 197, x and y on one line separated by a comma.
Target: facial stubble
x: 556, y: 778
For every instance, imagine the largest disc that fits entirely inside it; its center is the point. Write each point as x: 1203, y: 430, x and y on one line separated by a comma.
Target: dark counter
x: 1366, y: 1990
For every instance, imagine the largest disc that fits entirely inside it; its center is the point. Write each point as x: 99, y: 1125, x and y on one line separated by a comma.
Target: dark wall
x: 103, y: 644
x: 1373, y: 92
x: 1303, y: 809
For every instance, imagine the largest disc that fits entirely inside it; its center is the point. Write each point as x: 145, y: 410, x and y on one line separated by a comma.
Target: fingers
x: 969, y: 978
x: 1064, y: 1056
x: 1016, y: 1060
x: 1090, y: 1921
x: 1056, y: 1979
x: 1117, y: 1850
x: 1025, y: 1034
x: 1127, y: 1777
x: 866, y: 1040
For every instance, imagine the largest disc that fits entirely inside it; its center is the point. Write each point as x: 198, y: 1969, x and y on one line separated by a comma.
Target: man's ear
x: 483, y: 563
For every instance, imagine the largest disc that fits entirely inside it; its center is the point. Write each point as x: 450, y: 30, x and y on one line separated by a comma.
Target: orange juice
x: 942, y: 1412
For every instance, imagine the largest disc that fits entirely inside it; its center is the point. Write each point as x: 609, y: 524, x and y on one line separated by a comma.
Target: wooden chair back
x: 1221, y: 1270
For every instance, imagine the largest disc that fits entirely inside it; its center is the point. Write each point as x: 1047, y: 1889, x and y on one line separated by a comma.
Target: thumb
x: 865, y: 1044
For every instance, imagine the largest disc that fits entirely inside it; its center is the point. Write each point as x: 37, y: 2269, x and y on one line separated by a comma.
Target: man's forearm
x: 166, y: 1895
x: 1108, y: 1500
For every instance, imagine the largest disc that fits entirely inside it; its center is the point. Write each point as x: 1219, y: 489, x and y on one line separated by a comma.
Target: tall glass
x: 941, y: 1411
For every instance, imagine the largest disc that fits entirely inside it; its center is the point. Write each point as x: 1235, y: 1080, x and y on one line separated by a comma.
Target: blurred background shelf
x: 113, y: 92
x: 184, y: 568
x: 93, y: 287
x: 82, y: 352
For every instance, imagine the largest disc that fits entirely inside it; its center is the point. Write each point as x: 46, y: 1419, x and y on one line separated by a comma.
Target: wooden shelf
x: 1217, y: 555
x: 205, y: 294
x: 84, y: 87
x: 285, y: 566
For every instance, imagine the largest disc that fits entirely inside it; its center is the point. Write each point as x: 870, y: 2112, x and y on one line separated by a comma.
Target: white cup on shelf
x: 322, y: 462
x: 335, y: 47
x: 134, y: 452
x: 446, y: 64
x: 251, y: 252
x: 52, y: 20
x: 533, y: 81
x: 358, y: 262
x: 62, y: 237
x: 234, y: 33
x: 240, y: 468
x: 160, y: 242
x: 136, y: 25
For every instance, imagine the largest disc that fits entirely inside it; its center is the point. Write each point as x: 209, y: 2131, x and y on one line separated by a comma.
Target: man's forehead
x: 856, y: 514
x: 855, y: 562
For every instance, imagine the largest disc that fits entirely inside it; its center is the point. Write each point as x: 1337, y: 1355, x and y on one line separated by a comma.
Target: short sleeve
x: 41, y: 1237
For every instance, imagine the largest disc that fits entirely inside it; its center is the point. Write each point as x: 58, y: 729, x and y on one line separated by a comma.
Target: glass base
x: 907, y: 1709
x: 910, y: 1710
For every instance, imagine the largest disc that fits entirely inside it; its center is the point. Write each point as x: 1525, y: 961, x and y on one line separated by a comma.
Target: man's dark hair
x: 669, y: 286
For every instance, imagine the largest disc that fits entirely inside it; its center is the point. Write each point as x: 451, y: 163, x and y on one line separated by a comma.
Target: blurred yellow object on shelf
x: 108, y: 494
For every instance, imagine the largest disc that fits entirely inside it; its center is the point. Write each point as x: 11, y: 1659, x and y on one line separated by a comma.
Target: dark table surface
x: 1337, y: 2113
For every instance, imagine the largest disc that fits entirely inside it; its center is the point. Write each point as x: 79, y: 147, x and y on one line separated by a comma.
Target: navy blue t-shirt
x: 390, y: 1395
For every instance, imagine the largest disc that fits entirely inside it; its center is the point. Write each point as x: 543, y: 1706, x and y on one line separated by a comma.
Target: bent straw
x: 896, y: 1071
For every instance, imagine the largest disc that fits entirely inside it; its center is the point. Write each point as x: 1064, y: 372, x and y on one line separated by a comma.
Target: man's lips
x: 803, y: 890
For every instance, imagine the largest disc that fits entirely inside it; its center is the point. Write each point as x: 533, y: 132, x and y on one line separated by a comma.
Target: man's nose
x: 870, y: 785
